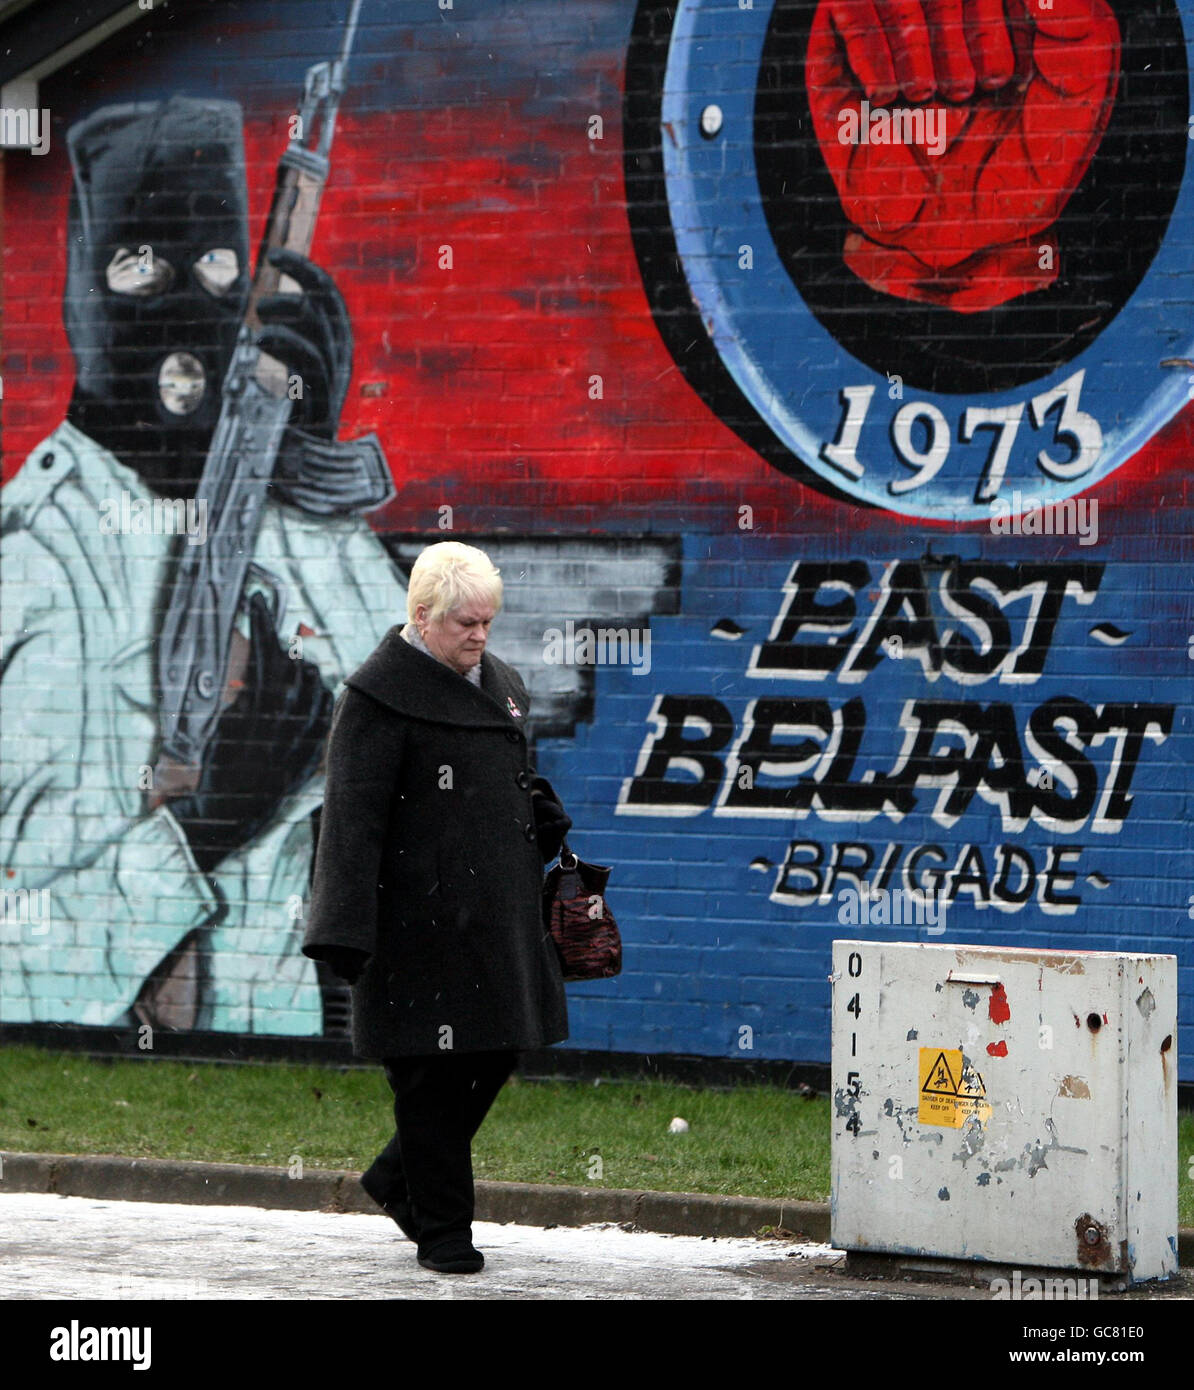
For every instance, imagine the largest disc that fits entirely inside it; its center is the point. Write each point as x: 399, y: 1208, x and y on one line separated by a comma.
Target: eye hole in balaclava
x: 138, y: 272
x: 157, y: 279
x: 217, y: 270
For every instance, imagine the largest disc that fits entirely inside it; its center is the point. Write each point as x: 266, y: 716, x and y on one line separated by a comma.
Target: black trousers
x: 439, y: 1103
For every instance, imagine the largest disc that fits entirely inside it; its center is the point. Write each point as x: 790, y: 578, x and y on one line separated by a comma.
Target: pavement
x: 108, y: 1227
x: 55, y: 1247
x: 87, y: 1250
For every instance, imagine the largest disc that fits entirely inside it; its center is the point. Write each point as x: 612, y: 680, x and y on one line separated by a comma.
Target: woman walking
x: 426, y: 889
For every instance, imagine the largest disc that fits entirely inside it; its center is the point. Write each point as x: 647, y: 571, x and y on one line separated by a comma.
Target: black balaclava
x: 165, y: 181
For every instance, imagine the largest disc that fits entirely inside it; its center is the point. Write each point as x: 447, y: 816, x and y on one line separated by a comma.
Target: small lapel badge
x: 513, y: 708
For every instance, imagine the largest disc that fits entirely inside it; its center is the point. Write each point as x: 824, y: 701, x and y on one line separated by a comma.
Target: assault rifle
x: 196, y: 644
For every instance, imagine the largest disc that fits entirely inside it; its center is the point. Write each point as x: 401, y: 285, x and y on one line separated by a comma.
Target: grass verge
x: 757, y: 1141
x: 754, y: 1141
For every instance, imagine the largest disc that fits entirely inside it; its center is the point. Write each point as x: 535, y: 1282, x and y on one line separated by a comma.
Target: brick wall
x: 852, y: 395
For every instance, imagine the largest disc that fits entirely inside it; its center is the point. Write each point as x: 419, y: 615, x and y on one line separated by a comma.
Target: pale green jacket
x: 94, y: 892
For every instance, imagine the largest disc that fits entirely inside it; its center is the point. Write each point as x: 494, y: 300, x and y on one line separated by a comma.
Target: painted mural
x: 818, y: 379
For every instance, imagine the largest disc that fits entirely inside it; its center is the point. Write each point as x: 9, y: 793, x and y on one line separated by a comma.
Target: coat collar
x: 405, y: 680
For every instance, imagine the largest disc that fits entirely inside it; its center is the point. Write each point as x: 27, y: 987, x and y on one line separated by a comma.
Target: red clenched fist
x: 956, y: 132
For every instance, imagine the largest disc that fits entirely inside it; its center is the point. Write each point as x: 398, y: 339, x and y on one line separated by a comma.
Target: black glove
x: 265, y: 744
x: 552, y: 822
x: 346, y: 961
x: 311, y: 334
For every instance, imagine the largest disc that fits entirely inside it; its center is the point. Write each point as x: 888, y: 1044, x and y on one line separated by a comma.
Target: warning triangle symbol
x: 940, y: 1080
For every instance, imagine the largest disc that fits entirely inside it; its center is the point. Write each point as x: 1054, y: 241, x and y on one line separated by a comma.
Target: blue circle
x: 1070, y: 428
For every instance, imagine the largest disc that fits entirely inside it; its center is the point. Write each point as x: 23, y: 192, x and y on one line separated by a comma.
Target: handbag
x: 577, y: 914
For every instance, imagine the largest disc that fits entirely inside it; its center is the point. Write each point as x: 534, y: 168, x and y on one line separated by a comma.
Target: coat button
x: 511, y: 735
x: 523, y: 780
x: 531, y: 833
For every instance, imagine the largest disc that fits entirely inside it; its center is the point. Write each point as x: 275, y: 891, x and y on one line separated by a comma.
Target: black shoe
x: 457, y: 1256
x: 398, y: 1211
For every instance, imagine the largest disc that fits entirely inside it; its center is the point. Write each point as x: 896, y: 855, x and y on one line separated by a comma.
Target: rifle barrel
x: 350, y: 31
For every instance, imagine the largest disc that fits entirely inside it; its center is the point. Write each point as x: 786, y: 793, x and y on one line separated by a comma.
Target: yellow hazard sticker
x: 951, y: 1091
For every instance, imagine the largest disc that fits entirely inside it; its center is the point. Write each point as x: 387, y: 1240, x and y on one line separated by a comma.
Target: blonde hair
x: 449, y: 575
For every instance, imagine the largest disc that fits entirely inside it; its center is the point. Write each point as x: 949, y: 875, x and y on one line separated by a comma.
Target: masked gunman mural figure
x: 175, y: 906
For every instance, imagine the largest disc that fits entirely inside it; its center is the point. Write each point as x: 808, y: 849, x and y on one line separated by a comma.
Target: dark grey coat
x: 427, y: 859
